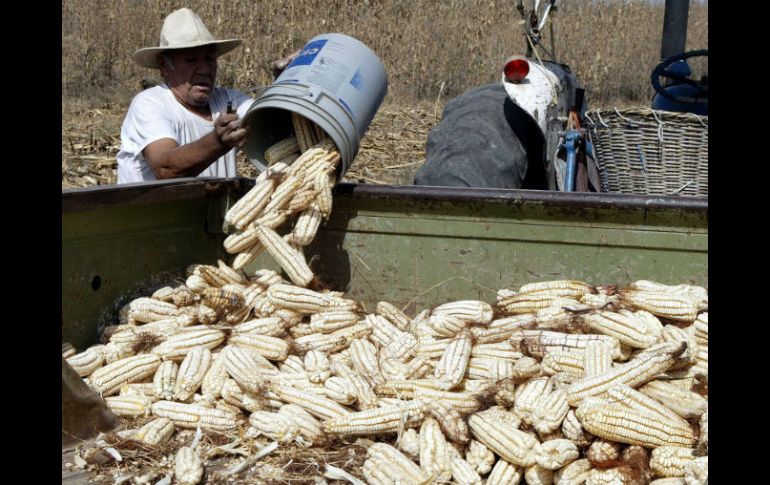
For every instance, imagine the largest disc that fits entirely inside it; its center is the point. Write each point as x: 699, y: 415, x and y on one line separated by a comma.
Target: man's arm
x: 169, y: 160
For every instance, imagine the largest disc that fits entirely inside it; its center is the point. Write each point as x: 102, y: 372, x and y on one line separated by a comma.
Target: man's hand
x: 229, y: 130
x: 279, y: 65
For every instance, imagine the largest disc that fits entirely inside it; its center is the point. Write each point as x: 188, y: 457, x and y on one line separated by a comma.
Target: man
x: 182, y: 128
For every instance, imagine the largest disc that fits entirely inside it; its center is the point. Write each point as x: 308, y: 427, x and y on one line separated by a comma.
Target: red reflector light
x: 516, y: 69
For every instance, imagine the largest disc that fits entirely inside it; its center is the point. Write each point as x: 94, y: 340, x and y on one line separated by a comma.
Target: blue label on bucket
x: 309, y: 53
x: 358, y: 80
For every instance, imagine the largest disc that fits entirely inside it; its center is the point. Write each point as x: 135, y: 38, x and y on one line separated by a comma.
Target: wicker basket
x: 642, y: 151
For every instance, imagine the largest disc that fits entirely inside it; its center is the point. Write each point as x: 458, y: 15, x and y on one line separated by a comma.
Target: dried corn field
x: 432, y: 50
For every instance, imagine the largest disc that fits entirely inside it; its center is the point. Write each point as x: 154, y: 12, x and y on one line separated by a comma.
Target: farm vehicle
x: 531, y: 130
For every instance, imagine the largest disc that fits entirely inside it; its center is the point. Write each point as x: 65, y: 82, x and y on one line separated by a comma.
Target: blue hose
x: 571, y: 140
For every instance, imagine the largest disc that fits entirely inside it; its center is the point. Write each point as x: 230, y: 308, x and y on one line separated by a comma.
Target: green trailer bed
x: 412, y: 246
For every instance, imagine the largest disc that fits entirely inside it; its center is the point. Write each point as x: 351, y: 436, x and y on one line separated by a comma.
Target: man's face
x: 193, y: 74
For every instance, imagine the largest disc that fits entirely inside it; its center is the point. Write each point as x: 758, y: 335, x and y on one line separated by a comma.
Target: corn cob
x: 409, y: 443
x: 145, y: 310
x: 318, y: 406
x: 637, y: 371
x: 278, y: 427
x: 635, y: 400
x: 393, y: 315
x: 512, y: 303
x: 188, y: 469
x: 621, y: 475
x: 293, y: 263
x: 272, y: 348
x: 446, y: 324
x: 207, y: 315
x: 340, y: 390
x: 317, y: 366
x: 454, y: 361
x: 505, y: 473
x: 164, y: 379
x: 604, y: 454
x: 471, y: 311
x: 177, y: 346
x: 251, y: 205
x: 537, y: 475
x: 502, y: 329
x: 685, y: 403
x: 670, y: 461
x: 549, y: 411
x: 402, y: 348
x: 364, y: 356
x: 334, y: 341
x: 109, y: 379
x: 269, y: 326
x: 67, y: 350
x: 233, y: 276
x: 405, y: 389
x: 527, y: 395
x: 668, y: 481
x: 432, y: 348
x: 215, y: 377
x: 479, y: 457
x: 450, y: 419
x: 306, y: 226
x: 86, y: 362
x: 384, y: 419
x: 154, y: 433
x: 298, y: 299
x: 245, y: 257
x: 292, y: 365
x: 575, y: 473
x: 214, y: 276
x: 703, y: 439
x: 328, y: 321
x: 696, y: 472
x: 196, y: 283
x: 191, y: 416
x: 434, y: 452
x: 308, y: 427
x: 243, y: 364
x: 617, y: 422
x: 387, y: 465
x: 365, y: 396
x: 667, y: 305
x: 192, y: 370
x: 567, y: 288
x: 383, y: 331
x: 675, y: 335
x: 511, y: 444
x: 573, y: 430
x: 233, y: 395
x: 178, y: 296
x: 537, y: 342
x: 525, y: 368
x: 304, y: 133
x: 463, y: 472
x: 560, y: 314
x: 597, y: 359
x: 281, y: 150
x: 130, y: 405
x: 697, y: 293
x: 569, y: 361
x: 145, y: 389
x: 626, y: 328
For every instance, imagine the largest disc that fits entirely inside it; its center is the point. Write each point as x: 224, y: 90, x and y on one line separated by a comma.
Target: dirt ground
x: 391, y: 151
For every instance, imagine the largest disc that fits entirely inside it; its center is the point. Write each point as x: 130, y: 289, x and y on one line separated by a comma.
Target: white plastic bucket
x: 336, y: 82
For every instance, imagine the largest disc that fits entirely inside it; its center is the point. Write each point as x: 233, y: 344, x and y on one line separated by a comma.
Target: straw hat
x: 182, y: 29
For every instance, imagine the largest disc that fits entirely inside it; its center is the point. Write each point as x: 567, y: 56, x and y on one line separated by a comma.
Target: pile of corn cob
x: 558, y: 382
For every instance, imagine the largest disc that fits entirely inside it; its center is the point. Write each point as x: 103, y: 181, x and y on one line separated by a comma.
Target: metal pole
x: 674, y: 28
